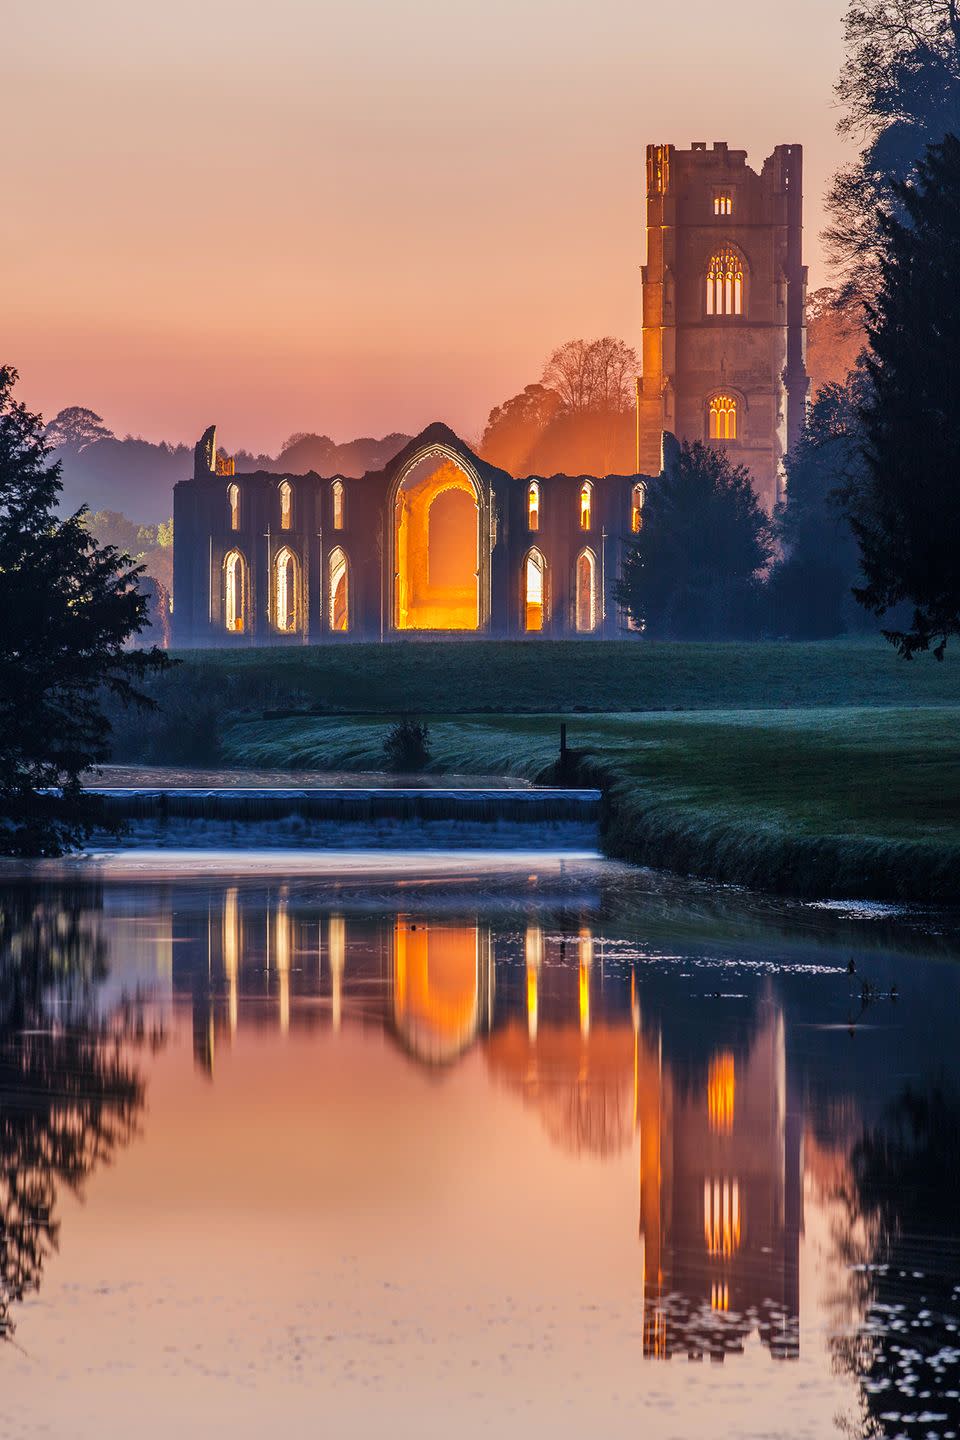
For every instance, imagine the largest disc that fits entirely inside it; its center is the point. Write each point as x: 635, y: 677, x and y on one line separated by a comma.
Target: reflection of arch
x: 338, y: 601
x: 286, y: 505
x: 286, y: 590
x: 337, y: 494
x: 439, y: 563
x: 233, y: 501
x: 234, y: 592
x: 725, y: 282
x: 722, y: 417
x: 436, y: 987
x: 586, y: 591
x: 534, y: 590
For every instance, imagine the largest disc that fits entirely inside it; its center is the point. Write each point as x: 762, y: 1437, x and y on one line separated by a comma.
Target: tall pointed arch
x: 585, y: 593
x: 234, y: 592
x: 338, y: 590
x: 286, y: 590
x: 725, y: 282
x: 534, y: 582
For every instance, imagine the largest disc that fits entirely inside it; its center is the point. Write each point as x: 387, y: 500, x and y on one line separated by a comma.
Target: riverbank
x: 860, y: 802
x: 817, y: 770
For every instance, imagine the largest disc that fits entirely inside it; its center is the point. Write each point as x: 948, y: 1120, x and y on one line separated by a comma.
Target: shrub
x: 407, y: 746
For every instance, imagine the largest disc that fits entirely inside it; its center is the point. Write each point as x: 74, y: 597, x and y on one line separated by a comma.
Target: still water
x: 503, y: 1144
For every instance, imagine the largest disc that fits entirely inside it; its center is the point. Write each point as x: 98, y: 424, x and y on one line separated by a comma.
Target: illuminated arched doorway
x: 234, y: 592
x: 339, y: 590
x: 437, y: 552
x: 286, y: 591
x: 586, y: 591
x: 534, y: 591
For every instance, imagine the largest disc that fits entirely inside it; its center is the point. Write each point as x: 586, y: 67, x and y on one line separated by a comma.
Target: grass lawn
x: 475, y: 677
x: 829, y: 800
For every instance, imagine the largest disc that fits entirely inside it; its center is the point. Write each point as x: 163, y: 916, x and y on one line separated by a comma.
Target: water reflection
x: 721, y: 1070
x: 70, y: 1094
x: 719, y: 1183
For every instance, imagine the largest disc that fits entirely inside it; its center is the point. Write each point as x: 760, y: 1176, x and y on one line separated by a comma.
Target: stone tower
x: 724, y: 339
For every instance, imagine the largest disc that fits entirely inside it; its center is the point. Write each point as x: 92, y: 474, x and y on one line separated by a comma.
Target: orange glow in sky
x: 354, y: 216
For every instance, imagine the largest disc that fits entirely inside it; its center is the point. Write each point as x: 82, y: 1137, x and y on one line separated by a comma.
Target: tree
x: 593, y: 376
x: 835, y: 338
x: 811, y: 586
x: 514, y: 428
x: 906, y: 512
x: 69, y: 608
x: 693, y: 572
x: 74, y: 428
x: 900, y: 89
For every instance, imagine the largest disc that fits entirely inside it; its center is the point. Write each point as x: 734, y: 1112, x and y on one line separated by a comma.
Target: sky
x: 354, y: 216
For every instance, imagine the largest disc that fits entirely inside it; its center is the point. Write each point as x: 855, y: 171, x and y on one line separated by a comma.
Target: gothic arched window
x: 533, y: 505
x: 338, y: 496
x: 286, y: 505
x: 534, y: 591
x: 233, y: 500
x: 234, y: 592
x: 637, y: 497
x: 586, y: 505
x: 725, y: 282
x: 339, y: 590
x: 586, y: 591
x: 285, y: 587
x: 722, y: 424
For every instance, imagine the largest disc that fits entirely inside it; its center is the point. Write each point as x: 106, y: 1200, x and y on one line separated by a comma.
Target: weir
x: 341, y: 815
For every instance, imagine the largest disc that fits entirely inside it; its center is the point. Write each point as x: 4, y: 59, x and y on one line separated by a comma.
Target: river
x: 491, y: 1143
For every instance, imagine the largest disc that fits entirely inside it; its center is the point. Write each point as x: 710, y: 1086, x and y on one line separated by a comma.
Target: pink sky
x: 354, y: 216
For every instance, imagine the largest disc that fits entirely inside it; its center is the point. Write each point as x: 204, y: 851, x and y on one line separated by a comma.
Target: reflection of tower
x: 442, y: 986
x: 728, y: 1210
x: 337, y: 948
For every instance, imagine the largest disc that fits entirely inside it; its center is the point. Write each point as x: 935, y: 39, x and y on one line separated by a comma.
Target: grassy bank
x: 476, y: 677
x: 815, y: 769
x: 840, y: 801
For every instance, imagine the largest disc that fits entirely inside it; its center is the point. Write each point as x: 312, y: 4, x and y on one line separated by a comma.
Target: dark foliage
x: 900, y: 90
x: 407, y: 746
x: 903, y: 1198
x: 906, y: 512
x: 693, y: 571
x: 69, y: 608
x: 810, y: 589
x: 71, y: 1097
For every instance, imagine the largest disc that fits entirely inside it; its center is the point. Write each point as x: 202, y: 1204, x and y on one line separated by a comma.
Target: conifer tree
x: 68, y: 608
x: 906, y: 511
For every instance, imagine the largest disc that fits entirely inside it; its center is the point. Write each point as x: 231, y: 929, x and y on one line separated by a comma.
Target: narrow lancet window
x: 286, y: 505
x: 339, y: 591
x: 285, y: 591
x: 722, y: 203
x: 337, y: 493
x: 533, y: 506
x: 725, y: 283
x: 723, y: 418
x: 586, y: 592
x: 586, y: 505
x: 534, y: 586
x: 234, y: 592
x: 233, y: 500
x: 637, y: 498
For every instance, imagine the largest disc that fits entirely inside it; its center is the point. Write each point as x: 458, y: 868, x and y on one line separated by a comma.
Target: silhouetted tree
x: 906, y: 512
x: 514, y: 428
x: 69, y: 607
x: 75, y: 427
x: 693, y: 571
x: 593, y: 376
x: 71, y: 1096
x: 810, y: 589
x: 900, y: 89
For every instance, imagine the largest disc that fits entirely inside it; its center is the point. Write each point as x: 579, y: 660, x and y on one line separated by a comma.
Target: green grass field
x: 819, y: 769
x: 580, y: 675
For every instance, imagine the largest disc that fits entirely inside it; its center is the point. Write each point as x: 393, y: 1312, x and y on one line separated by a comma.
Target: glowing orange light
x: 534, y: 955
x: 234, y: 579
x: 636, y: 508
x: 534, y: 575
x: 721, y: 1216
x: 533, y: 506
x: 723, y: 417
x: 719, y: 1297
x: 725, y: 283
x: 721, y: 1093
x: 586, y: 503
